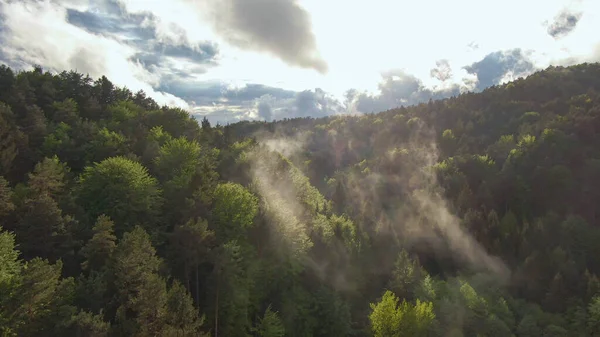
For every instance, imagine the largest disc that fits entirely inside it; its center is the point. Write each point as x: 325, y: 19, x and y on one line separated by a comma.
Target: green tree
x: 269, y: 325
x: 140, y: 293
x: 234, y: 210
x: 182, y: 316
x: 407, y: 276
x: 121, y: 189
x: 6, y: 204
x: 389, y: 318
x: 99, y: 248
x: 189, y: 246
x: 594, y: 317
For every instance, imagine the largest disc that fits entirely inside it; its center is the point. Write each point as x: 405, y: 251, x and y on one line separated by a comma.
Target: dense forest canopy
x: 470, y: 216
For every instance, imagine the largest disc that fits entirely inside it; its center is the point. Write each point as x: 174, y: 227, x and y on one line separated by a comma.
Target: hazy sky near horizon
x: 270, y: 59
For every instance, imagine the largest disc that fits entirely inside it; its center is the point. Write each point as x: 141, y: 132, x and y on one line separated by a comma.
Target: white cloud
x: 359, y: 40
x: 38, y: 33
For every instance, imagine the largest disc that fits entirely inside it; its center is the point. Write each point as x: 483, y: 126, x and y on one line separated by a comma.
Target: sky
x: 232, y: 60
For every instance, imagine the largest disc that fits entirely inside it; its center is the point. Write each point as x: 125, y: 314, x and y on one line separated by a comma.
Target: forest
x: 468, y: 216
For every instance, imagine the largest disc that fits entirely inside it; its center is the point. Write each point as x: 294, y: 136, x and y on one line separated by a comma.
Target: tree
x: 269, y: 325
x: 407, y: 276
x: 6, y: 204
x: 48, y: 178
x: 121, y: 189
x: 43, y: 229
x: 10, y: 266
x: 182, y: 316
x: 87, y: 324
x: 189, y: 246
x: 100, y: 247
x: 234, y: 210
x: 33, y: 299
x: 388, y: 318
x: 11, y: 138
x: 140, y: 293
x: 594, y: 317
x: 178, y: 158
x: 177, y: 166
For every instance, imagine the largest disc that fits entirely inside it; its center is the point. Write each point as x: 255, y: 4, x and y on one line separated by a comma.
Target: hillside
x: 469, y: 216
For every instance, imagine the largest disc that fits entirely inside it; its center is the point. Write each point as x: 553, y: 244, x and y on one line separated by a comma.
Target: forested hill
x: 470, y: 216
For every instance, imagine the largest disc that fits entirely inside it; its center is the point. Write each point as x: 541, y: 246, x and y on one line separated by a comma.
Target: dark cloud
x: 397, y: 89
x: 495, y: 66
x: 442, y: 71
x: 563, y: 24
x: 203, y: 52
x: 112, y: 22
x: 207, y: 93
x: 218, y: 102
x: 280, y: 27
x: 253, y: 91
x: 265, y: 111
x: 143, y: 37
x: 138, y: 31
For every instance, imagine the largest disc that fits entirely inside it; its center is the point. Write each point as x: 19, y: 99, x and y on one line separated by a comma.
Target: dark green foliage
x: 473, y: 216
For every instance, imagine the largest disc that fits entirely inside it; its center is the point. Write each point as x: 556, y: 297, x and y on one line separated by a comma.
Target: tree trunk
x: 197, y: 288
x: 187, y: 277
x: 217, y: 307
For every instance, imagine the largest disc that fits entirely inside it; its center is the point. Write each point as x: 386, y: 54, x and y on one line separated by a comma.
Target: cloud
x: 160, y: 51
x: 563, y: 24
x: 279, y: 27
x: 38, y: 32
x: 397, y: 88
x: 501, y: 66
x: 220, y: 102
x: 442, y: 71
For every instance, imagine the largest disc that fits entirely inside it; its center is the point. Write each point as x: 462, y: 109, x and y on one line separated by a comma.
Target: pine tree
x: 100, y: 247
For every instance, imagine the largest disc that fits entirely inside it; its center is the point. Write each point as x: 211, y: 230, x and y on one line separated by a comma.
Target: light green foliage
x: 178, y: 158
x: 159, y: 135
x: 269, y: 325
x: 594, y: 316
x: 107, y: 143
x: 234, y: 209
x: 10, y: 266
x: 121, y: 189
x: 473, y: 301
x: 448, y: 135
x: 426, y: 290
x: 390, y: 319
x: 123, y: 111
